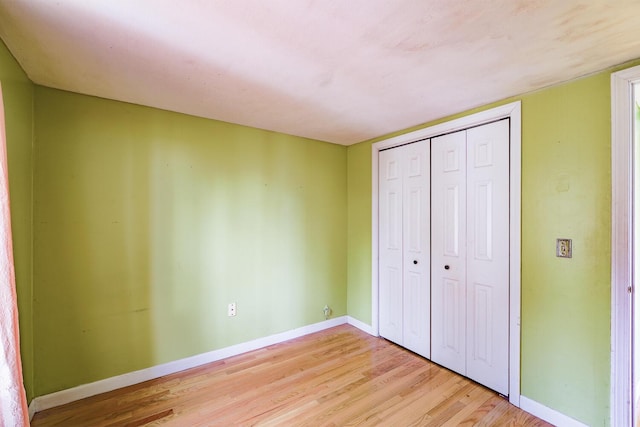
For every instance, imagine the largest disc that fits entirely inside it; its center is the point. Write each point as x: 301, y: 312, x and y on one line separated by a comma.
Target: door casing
x: 511, y: 111
x: 622, y: 153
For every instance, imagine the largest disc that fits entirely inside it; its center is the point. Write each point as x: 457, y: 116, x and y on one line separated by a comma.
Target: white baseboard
x: 86, y: 390
x: 62, y: 397
x: 549, y: 415
x: 32, y: 409
x: 360, y: 325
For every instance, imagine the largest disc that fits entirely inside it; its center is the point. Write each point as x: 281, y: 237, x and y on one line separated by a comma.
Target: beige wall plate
x: 563, y: 248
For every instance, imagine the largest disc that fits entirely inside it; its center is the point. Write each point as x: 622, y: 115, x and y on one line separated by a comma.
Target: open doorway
x: 625, y: 247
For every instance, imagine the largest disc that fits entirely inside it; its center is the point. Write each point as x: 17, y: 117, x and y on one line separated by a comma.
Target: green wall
x: 566, y: 192
x: 359, y: 232
x: 17, y: 92
x: 148, y: 223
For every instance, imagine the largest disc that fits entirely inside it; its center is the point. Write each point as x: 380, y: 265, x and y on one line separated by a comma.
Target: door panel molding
x: 513, y: 112
x: 449, y: 251
x: 404, y: 236
x: 488, y: 251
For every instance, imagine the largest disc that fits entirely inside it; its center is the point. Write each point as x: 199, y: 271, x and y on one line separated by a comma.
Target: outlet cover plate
x: 563, y: 248
x: 231, y: 309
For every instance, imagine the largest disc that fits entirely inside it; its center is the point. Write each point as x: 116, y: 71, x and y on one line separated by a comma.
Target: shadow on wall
x: 93, y: 297
x: 149, y: 223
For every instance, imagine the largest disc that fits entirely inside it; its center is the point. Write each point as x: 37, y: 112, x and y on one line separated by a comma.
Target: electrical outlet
x: 563, y: 248
x: 231, y: 309
x: 327, y: 311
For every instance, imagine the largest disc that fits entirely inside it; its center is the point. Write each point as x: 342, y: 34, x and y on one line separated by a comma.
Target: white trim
x: 621, y: 243
x: 476, y: 119
x: 375, y: 257
x: 515, y: 214
x: 360, y: 325
x: 86, y: 390
x: 32, y: 409
x: 513, y: 112
x: 549, y: 415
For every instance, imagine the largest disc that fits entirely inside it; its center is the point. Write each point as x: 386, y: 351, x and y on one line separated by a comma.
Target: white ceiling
x: 341, y: 71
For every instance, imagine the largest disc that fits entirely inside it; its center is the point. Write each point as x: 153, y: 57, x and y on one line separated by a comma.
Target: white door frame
x: 621, y: 243
x: 513, y: 112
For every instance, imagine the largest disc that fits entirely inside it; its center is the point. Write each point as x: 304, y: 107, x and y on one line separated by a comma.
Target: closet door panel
x: 390, y: 234
x: 488, y: 255
x: 416, y: 303
x: 448, y: 240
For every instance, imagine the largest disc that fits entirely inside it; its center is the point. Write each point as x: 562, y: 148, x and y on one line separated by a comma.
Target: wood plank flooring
x: 337, y: 377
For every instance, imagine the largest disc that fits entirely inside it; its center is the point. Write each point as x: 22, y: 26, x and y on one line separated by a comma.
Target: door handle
x: 415, y: 261
x: 446, y: 267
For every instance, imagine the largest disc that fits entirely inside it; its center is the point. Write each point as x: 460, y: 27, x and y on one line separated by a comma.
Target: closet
x: 462, y: 311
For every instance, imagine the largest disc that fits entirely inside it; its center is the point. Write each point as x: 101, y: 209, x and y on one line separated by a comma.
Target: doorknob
x: 415, y: 261
x: 446, y: 267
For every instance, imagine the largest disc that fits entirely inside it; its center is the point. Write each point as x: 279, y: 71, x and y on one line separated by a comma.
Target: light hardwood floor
x: 337, y: 377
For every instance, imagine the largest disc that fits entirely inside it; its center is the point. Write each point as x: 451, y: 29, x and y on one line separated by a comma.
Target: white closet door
x: 404, y: 298
x: 488, y: 255
x: 390, y: 245
x: 448, y: 251
x: 416, y: 257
